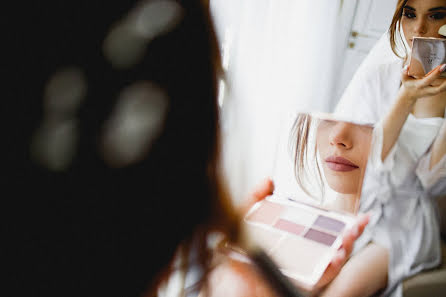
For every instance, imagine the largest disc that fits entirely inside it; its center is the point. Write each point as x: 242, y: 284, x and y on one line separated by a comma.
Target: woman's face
x: 344, y: 149
x: 423, y: 18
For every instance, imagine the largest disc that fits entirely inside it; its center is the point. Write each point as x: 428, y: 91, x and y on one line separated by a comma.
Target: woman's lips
x: 340, y: 164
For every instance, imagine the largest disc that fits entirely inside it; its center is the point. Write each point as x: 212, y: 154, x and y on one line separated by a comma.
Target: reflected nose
x: 340, y: 136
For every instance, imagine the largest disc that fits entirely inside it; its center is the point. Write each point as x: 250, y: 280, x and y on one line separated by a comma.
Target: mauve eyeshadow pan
x: 320, y: 237
x: 329, y: 224
x: 289, y: 226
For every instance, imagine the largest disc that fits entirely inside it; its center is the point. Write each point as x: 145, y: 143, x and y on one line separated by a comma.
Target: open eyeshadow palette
x: 301, y: 238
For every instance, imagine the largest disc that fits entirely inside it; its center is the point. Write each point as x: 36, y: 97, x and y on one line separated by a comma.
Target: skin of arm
x: 368, y: 269
x: 439, y: 146
x: 411, y: 90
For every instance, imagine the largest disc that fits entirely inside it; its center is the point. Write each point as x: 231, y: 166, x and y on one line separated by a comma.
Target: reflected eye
x: 409, y: 14
x: 326, y: 124
x: 438, y: 16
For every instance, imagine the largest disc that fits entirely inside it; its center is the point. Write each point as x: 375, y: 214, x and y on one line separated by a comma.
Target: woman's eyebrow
x: 409, y: 7
x: 431, y: 9
x: 438, y: 8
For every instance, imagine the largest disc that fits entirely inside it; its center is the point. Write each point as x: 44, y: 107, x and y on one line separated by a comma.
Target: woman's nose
x: 420, y: 27
x: 340, y: 135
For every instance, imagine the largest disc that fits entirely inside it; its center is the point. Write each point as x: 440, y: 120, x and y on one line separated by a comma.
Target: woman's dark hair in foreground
x: 113, y: 145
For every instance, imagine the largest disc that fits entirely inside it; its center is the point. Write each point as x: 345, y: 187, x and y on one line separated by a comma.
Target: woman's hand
x: 343, y: 253
x: 439, y: 146
x: 261, y: 191
x: 413, y: 88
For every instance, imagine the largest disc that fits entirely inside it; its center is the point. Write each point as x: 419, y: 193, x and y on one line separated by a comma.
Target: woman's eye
x: 409, y: 14
x: 438, y: 16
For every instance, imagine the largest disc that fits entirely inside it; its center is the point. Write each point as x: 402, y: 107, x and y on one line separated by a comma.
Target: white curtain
x: 280, y: 57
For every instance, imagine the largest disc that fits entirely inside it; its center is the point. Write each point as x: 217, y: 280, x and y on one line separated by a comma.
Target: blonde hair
x: 394, y: 28
x: 303, y: 161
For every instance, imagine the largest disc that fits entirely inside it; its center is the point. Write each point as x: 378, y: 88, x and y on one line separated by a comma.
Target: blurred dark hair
x: 91, y: 227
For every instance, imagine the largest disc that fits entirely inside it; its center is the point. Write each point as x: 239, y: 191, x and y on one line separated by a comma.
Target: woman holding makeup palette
x: 407, y: 114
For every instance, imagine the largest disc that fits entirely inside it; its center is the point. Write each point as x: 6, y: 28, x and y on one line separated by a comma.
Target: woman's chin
x: 349, y: 189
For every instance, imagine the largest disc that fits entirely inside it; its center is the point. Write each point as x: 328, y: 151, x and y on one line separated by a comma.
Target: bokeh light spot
x: 136, y: 122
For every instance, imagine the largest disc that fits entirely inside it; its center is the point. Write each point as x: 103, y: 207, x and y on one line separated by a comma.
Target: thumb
x: 264, y: 189
x: 405, y: 73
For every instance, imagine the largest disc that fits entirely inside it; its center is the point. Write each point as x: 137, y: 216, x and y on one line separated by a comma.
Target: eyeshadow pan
x: 264, y: 237
x: 298, y: 256
x: 320, y: 237
x: 298, y: 216
x: 289, y: 226
x: 329, y: 224
x: 267, y: 213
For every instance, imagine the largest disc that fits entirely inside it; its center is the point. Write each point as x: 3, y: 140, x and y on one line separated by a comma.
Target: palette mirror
x: 321, y: 159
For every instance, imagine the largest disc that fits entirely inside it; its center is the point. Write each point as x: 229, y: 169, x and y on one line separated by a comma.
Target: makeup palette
x: 301, y: 238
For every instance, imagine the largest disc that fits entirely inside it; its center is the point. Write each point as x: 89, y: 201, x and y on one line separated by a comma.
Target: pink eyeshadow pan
x: 267, y: 213
x: 289, y: 226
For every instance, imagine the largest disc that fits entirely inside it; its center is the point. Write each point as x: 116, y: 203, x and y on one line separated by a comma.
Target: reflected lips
x: 340, y: 164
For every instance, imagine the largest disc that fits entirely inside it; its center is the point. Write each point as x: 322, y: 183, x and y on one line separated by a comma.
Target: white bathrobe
x: 400, y: 191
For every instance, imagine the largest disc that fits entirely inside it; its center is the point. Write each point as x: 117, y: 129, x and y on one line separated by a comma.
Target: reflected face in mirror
x: 423, y: 18
x: 343, y: 149
x: 330, y: 157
